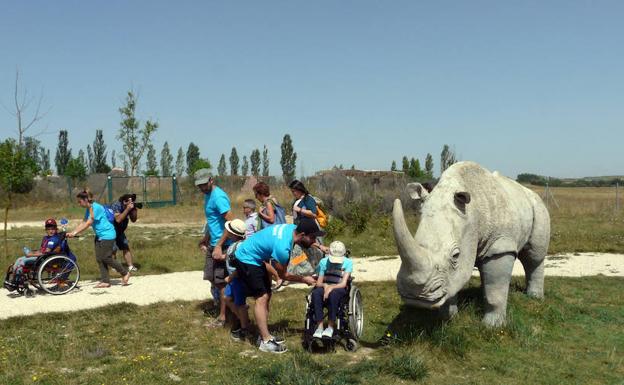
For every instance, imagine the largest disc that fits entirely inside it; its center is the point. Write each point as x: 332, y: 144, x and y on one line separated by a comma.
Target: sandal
x: 102, y: 285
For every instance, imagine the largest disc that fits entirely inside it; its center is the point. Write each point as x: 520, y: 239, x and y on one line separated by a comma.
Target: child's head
x: 236, y: 229
x: 337, y: 252
x: 249, y: 206
x: 50, y: 226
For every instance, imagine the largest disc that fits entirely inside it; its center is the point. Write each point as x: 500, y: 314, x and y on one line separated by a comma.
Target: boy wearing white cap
x: 334, y: 272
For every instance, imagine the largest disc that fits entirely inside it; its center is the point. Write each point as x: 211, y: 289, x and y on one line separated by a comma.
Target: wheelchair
x: 349, y: 321
x: 54, y: 273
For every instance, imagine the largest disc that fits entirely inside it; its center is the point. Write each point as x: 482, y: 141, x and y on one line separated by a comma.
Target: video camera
x: 132, y: 197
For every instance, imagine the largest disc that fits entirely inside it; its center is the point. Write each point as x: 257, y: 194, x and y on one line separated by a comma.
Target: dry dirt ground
x: 189, y: 286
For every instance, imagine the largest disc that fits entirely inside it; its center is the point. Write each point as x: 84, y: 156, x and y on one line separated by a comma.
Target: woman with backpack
x: 271, y: 213
x: 96, y: 216
x: 305, y: 204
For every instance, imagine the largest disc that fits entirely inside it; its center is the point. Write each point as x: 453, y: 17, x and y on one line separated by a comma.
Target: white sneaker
x: 132, y: 269
x: 318, y: 333
x: 328, y: 333
x: 271, y: 346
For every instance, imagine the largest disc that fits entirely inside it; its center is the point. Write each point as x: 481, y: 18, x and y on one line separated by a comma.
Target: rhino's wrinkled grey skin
x: 471, y: 218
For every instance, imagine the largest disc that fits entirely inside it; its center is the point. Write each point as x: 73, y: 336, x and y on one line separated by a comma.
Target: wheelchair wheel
x: 58, y: 275
x: 356, y: 313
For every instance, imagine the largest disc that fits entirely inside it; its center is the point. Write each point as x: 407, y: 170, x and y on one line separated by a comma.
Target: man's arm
x: 284, y: 274
x: 217, y: 253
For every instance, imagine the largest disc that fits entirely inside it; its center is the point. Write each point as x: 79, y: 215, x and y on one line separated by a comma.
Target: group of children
x: 333, y: 273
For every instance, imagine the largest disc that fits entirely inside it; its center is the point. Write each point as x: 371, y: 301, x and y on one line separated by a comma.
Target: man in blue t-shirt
x: 217, y: 210
x: 274, y: 242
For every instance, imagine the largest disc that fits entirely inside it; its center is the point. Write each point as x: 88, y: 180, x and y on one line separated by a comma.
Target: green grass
x: 574, y: 336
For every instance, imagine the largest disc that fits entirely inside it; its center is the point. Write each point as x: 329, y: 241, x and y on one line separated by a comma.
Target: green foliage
x: 406, y: 367
x: 192, y: 156
x: 222, y: 168
x: 179, y: 166
x: 255, y: 162
x: 134, y: 138
x: 393, y: 167
x: 99, y: 154
x: 405, y: 165
x: 414, y: 169
x: 166, y: 160
x: 245, y: 166
x: 114, y: 159
x: 152, y: 163
x: 234, y: 162
x: 32, y: 148
x: 63, y: 153
x: 17, y: 168
x: 447, y: 158
x: 265, y: 161
x: 335, y: 227
x: 357, y: 215
x: 288, y: 160
x: 200, y: 163
x: 429, y: 166
x: 76, y: 170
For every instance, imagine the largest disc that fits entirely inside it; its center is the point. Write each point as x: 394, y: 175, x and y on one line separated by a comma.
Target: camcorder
x: 132, y: 197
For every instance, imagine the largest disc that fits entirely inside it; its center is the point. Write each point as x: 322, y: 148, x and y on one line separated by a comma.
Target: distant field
x: 584, y: 221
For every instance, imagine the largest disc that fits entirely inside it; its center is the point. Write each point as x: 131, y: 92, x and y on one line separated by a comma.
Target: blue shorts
x: 236, y: 290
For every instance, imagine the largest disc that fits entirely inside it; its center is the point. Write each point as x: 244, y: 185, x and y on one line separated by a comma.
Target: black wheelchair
x: 349, y: 322
x: 54, y: 273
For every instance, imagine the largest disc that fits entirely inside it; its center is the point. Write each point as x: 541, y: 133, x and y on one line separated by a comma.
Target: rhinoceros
x: 471, y: 218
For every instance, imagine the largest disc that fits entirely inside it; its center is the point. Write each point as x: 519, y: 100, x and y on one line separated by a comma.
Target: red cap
x: 50, y: 223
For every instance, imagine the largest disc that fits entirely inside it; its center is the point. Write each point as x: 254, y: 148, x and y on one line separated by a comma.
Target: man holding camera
x: 125, y: 210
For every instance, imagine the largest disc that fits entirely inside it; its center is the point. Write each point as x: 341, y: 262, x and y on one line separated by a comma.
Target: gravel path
x: 189, y: 286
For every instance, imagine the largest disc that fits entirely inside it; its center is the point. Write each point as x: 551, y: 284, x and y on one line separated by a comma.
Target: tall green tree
x: 99, y: 154
x: 179, y: 166
x: 113, y: 159
x: 245, y: 166
x: 234, y: 162
x: 405, y: 165
x: 447, y: 158
x: 255, y: 162
x: 82, y: 159
x: 45, y: 162
x: 192, y: 156
x: 222, y: 168
x: 63, y: 153
x: 135, y: 140
x: 90, y: 160
x: 414, y: 168
x: 166, y: 160
x: 17, y: 172
x: 32, y: 148
x: 151, y: 164
x: 265, y: 161
x: 393, y: 167
x: 429, y: 166
x: 288, y: 160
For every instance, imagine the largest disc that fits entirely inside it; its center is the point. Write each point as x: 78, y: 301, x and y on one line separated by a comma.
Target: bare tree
x: 22, y: 102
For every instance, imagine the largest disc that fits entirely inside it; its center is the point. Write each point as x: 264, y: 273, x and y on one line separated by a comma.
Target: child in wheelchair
x: 331, y: 288
x: 52, y: 242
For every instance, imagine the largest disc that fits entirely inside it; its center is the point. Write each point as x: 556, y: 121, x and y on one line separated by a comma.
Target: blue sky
x: 527, y: 86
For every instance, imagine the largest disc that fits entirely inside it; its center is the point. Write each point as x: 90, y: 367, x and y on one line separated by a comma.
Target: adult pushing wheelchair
x: 54, y: 272
x: 349, y: 322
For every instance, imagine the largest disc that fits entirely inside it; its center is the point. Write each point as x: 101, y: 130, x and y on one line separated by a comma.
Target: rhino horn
x: 413, y: 256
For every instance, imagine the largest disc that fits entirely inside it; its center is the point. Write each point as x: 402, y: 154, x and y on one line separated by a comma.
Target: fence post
x: 174, y: 189
x: 144, y: 178
x: 109, y: 186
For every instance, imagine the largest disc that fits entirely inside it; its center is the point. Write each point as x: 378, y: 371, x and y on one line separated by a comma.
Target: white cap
x: 337, y: 251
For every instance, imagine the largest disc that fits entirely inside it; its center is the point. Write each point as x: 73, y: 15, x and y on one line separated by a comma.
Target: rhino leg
x: 534, y: 272
x: 495, y: 279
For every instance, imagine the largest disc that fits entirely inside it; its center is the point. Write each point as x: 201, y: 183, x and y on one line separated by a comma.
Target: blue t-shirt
x: 216, y: 203
x: 336, y: 270
x: 104, y: 230
x: 273, y: 242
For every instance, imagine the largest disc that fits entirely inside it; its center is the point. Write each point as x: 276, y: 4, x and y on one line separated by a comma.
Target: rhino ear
x: 417, y: 191
x: 462, y: 198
